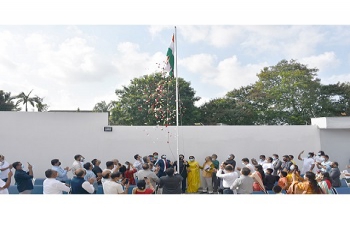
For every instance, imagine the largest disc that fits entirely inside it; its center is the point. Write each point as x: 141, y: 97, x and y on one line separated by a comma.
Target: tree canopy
x: 150, y: 100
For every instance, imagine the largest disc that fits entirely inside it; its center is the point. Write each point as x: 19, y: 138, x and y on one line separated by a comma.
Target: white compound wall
x: 39, y: 137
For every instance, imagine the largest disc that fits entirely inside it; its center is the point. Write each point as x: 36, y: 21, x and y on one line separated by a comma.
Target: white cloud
x: 154, y: 30
x: 336, y: 78
x: 130, y: 62
x: 323, y: 62
x: 194, y: 33
x: 228, y: 73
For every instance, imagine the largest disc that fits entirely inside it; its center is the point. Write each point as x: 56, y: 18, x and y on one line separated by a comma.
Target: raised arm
x: 299, y: 156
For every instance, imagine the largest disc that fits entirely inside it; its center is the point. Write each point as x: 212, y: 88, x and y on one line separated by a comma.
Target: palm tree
x: 26, y: 99
x: 39, y: 104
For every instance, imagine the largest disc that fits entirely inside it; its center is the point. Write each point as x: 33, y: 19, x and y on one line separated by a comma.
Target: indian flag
x: 169, y: 67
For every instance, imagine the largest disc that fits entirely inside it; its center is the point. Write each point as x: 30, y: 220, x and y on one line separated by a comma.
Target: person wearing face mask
x: 207, y: 170
x: 97, y: 170
x: 90, y: 174
x: 53, y: 186
x: 245, y: 163
x: 62, y: 173
x: 286, y: 164
x: 335, y: 174
x: 276, y: 163
x: 138, y: 162
x: 193, y: 176
x: 163, y: 164
x: 115, y: 184
x: 23, y: 179
x: 228, y: 176
x: 81, y: 186
x: 77, y: 164
x: 155, y: 158
x: 308, y: 163
x: 293, y: 169
x: 231, y: 160
x: 183, y: 171
x: 5, y: 168
x: 324, y: 165
x: 5, y: 185
x: 318, y: 157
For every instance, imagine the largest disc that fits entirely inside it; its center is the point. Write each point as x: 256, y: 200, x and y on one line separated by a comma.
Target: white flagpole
x: 177, y: 107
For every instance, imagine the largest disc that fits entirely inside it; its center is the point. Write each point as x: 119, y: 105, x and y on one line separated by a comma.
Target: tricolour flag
x: 169, y: 67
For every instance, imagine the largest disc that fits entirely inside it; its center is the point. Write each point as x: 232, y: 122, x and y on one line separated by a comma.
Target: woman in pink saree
x: 258, y: 176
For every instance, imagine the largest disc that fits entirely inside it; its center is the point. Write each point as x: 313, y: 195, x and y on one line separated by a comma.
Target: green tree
x: 6, y: 102
x: 335, y: 99
x: 237, y: 107
x: 103, y: 106
x: 288, y: 93
x: 40, y: 105
x: 150, y: 100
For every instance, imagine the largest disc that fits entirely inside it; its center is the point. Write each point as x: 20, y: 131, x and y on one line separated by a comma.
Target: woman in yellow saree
x: 308, y: 186
x: 193, y: 177
x: 293, y: 168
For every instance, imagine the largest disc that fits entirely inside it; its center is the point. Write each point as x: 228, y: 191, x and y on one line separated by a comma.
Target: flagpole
x: 177, y: 107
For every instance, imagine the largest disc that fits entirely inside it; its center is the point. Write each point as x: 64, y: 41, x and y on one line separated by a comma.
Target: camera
x: 145, y: 178
x: 127, y: 163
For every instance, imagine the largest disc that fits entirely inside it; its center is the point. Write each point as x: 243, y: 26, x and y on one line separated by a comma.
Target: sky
x: 77, y: 66
x: 77, y: 61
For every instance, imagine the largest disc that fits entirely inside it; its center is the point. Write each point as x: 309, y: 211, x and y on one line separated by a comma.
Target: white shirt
x: 53, y: 186
x: 76, y: 165
x: 262, y: 162
x: 3, y: 174
x: 266, y: 166
x: 251, y: 167
x: 88, y: 187
x: 5, y: 191
x: 307, y: 163
x: 227, y: 178
x: 138, y: 165
x: 112, y: 187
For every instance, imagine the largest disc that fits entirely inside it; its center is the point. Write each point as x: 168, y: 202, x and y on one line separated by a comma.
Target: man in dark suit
x: 163, y: 164
x: 183, y: 170
x: 171, y: 183
x: 231, y: 160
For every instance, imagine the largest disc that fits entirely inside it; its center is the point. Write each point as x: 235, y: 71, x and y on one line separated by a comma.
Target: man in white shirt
x: 262, y: 160
x: 113, y: 187
x: 4, y: 185
x: 53, y: 186
x: 77, y: 164
x: 228, y: 177
x: 5, y: 168
x: 245, y: 162
x: 308, y: 163
x: 138, y: 163
x: 268, y: 164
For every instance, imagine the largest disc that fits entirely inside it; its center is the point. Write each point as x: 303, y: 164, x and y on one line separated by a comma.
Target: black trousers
x: 216, y: 182
x: 183, y: 185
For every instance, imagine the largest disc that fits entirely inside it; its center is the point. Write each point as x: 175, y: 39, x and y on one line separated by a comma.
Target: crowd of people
x: 153, y: 175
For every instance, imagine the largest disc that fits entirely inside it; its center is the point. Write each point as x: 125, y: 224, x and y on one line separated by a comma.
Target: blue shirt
x: 23, y: 181
x: 89, y: 174
x: 62, y: 174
